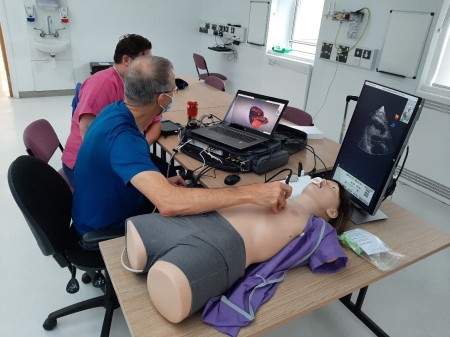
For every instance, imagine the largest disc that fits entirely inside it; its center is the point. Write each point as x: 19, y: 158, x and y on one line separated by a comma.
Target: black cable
x: 227, y: 42
x: 210, y: 116
x: 288, y: 178
x: 403, y: 164
x: 311, y: 149
x: 195, y: 177
x: 279, y: 172
x: 205, y: 170
x: 198, y: 168
x: 299, y: 169
x: 391, y: 188
x: 233, y: 56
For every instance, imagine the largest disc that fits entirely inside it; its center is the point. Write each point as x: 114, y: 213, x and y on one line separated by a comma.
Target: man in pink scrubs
x: 101, y: 89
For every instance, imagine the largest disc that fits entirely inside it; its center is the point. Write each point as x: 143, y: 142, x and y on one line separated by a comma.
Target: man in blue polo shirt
x: 115, y: 177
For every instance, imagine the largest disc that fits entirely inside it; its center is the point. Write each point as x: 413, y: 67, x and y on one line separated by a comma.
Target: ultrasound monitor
x: 376, y: 137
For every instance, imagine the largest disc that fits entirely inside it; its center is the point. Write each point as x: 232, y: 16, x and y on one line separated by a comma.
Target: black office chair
x: 45, y: 201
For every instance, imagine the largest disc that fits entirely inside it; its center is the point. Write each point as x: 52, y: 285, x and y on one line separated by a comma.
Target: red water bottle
x: 192, y: 110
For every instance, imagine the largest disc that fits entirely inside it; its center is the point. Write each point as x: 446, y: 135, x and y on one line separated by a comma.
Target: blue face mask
x: 167, y: 108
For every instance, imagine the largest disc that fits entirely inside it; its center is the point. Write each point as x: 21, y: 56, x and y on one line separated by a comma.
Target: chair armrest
x: 102, y: 235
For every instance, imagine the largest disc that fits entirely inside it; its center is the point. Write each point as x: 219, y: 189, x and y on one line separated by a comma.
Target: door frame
x: 5, y: 61
x: 7, y: 50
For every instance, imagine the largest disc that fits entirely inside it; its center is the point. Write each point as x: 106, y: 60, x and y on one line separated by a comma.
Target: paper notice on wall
x: 354, y: 24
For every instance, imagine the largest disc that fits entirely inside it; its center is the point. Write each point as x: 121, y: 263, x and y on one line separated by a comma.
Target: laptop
x: 250, y: 120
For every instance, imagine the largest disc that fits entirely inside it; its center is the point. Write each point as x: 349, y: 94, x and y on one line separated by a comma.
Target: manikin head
x: 331, y: 202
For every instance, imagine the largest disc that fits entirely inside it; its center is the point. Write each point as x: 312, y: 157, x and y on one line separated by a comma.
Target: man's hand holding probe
x: 272, y: 195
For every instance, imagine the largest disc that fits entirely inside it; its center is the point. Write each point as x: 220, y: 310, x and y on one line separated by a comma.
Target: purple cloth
x: 236, y: 308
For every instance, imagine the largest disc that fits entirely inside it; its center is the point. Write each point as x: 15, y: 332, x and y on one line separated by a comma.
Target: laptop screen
x: 255, y: 112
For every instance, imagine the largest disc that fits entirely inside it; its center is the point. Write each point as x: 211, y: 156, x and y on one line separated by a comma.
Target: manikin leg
x: 167, y: 285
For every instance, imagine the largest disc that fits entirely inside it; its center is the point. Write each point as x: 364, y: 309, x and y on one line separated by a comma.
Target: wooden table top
x: 325, y: 148
x: 216, y: 102
x: 300, y: 293
x: 205, y: 95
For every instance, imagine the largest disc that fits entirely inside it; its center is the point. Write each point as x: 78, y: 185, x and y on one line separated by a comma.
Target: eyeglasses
x: 166, y: 92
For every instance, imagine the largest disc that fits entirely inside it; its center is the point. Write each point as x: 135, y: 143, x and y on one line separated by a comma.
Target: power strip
x: 360, y: 57
x: 227, y: 32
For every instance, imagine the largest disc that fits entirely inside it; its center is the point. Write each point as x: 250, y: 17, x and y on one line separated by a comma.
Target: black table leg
x: 355, y: 308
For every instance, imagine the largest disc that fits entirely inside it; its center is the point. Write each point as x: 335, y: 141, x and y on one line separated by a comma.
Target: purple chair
x: 215, y: 82
x: 200, y: 64
x: 41, y: 141
x: 297, y: 116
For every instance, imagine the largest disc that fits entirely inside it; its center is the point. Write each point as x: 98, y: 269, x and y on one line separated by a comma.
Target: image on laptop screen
x: 255, y: 112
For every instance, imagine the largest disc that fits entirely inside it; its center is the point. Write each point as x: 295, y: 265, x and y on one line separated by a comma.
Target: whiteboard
x: 257, y: 23
x: 404, y: 43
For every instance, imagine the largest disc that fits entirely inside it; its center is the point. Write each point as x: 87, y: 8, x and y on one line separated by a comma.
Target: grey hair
x: 146, y: 77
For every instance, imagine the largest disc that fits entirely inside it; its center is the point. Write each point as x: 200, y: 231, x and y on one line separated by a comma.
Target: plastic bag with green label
x: 370, y: 247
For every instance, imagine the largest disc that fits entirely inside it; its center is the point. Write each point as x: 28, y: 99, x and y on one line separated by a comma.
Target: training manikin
x: 191, y: 259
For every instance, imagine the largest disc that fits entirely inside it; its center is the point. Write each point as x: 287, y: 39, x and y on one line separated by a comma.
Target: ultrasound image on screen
x: 377, y: 135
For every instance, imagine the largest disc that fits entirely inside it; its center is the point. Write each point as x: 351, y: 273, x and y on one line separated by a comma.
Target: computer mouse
x: 232, y: 179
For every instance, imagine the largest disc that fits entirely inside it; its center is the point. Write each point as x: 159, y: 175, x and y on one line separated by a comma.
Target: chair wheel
x: 49, y: 324
x: 86, y: 278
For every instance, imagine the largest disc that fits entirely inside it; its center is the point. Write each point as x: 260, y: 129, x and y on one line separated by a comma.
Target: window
x: 295, y: 25
x: 435, y: 80
x: 305, y: 27
x: 441, y: 79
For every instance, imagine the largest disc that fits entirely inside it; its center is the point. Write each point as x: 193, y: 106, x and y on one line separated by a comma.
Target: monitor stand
x: 360, y: 216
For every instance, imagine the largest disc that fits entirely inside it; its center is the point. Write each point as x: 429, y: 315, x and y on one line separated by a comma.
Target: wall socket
x: 226, y: 32
x: 360, y: 57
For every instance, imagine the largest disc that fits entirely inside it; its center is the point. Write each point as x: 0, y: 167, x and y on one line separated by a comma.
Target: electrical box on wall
x: 225, y: 31
x: 360, y: 57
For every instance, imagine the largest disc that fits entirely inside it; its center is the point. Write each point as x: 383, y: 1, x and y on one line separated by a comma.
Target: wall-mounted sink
x: 51, y: 45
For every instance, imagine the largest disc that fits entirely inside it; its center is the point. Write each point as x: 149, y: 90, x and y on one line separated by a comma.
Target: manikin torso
x: 265, y: 233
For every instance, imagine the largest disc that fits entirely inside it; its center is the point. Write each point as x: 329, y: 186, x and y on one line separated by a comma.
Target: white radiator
x: 291, y: 65
x: 289, y: 80
x: 426, y: 185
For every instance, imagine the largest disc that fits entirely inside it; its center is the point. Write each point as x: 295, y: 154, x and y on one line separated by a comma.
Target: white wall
x: 251, y: 70
x: 14, y: 27
x: 429, y: 154
x: 172, y: 26
x: 169, y: 24
x: 95, y: 28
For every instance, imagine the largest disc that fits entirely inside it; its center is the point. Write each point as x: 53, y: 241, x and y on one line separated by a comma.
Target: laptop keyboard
x: 234, y: 134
